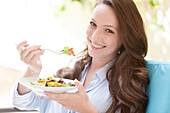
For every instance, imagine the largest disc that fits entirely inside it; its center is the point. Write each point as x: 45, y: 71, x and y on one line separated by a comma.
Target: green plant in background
x: 153, y: 3
x: 156, y: 16
x: 86, y: 4
x: 159, y: 14
x: 155, y: 12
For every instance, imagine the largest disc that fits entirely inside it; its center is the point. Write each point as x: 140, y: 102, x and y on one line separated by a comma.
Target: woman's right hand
x: 31, y: 56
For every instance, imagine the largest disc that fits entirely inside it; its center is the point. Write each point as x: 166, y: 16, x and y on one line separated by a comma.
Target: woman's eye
x: 92, y: 24
x: 109, y: 31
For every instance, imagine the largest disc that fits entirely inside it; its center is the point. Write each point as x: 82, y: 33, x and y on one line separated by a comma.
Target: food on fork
x: 68, y: 51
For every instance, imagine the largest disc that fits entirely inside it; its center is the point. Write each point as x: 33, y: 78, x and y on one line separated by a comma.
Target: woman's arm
x: 22, y: 89
x: 30, y: 55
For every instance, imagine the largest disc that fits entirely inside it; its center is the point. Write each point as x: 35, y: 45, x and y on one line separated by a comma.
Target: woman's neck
x: 96, y: 64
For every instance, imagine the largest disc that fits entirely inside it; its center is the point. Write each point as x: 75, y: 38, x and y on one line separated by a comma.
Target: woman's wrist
x: 32, y: 72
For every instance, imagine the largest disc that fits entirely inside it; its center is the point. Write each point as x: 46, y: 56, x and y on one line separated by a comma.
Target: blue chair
x: 159, y: 87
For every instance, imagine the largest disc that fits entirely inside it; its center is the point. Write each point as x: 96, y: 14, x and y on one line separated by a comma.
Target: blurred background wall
x: 58, y: 23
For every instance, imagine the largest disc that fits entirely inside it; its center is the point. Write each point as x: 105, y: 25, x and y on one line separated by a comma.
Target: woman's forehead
x: 105, y: 14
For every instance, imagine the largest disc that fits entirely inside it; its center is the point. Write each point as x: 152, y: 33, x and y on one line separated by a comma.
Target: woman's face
x: 102, y: 33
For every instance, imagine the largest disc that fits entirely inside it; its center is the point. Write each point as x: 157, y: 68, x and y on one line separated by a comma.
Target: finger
x: 37, y: 56
x: 79, y: 85
x: 21, y: 46
x: 27, y: 51
x: 33, y: 55
x: 53, y: 96
x: 59, y: 96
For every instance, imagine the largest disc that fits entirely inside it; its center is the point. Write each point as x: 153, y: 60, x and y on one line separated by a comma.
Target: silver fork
x: 53, y: 51
x: 44, y: 49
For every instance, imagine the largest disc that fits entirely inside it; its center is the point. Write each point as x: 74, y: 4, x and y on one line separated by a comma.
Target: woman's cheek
x: 88, y: 31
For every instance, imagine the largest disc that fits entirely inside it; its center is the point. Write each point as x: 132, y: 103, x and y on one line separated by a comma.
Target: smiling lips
x: 94, y: 46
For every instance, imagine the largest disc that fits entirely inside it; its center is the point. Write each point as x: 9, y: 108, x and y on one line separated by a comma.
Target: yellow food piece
x: 54, y: 84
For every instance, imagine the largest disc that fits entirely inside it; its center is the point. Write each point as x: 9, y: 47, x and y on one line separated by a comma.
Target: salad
x: 52, y: 82
x: 68, y: 51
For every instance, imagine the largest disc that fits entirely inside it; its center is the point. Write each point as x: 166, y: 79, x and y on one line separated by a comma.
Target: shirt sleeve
x: 28, y: 101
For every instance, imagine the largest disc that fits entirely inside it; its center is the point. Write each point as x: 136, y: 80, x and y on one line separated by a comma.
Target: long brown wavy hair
x: 128, y: 77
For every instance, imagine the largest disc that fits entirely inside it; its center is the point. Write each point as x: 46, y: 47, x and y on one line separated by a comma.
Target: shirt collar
x: 102, y: 71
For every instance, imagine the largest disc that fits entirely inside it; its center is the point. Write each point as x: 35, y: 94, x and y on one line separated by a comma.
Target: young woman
x: 111, y: 77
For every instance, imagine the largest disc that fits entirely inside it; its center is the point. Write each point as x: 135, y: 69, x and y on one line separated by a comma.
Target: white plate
x: 26, y: 81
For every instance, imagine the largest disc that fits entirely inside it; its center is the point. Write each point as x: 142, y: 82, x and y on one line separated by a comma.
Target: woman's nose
x: 96, y: 35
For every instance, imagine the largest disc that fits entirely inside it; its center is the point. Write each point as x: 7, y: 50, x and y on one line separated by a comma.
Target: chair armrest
x: 13, y: 109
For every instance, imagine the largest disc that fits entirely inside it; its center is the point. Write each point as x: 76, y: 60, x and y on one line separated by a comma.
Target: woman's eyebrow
x: 111, y: 26
x: 93, y: 19
x: 106, y: 25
